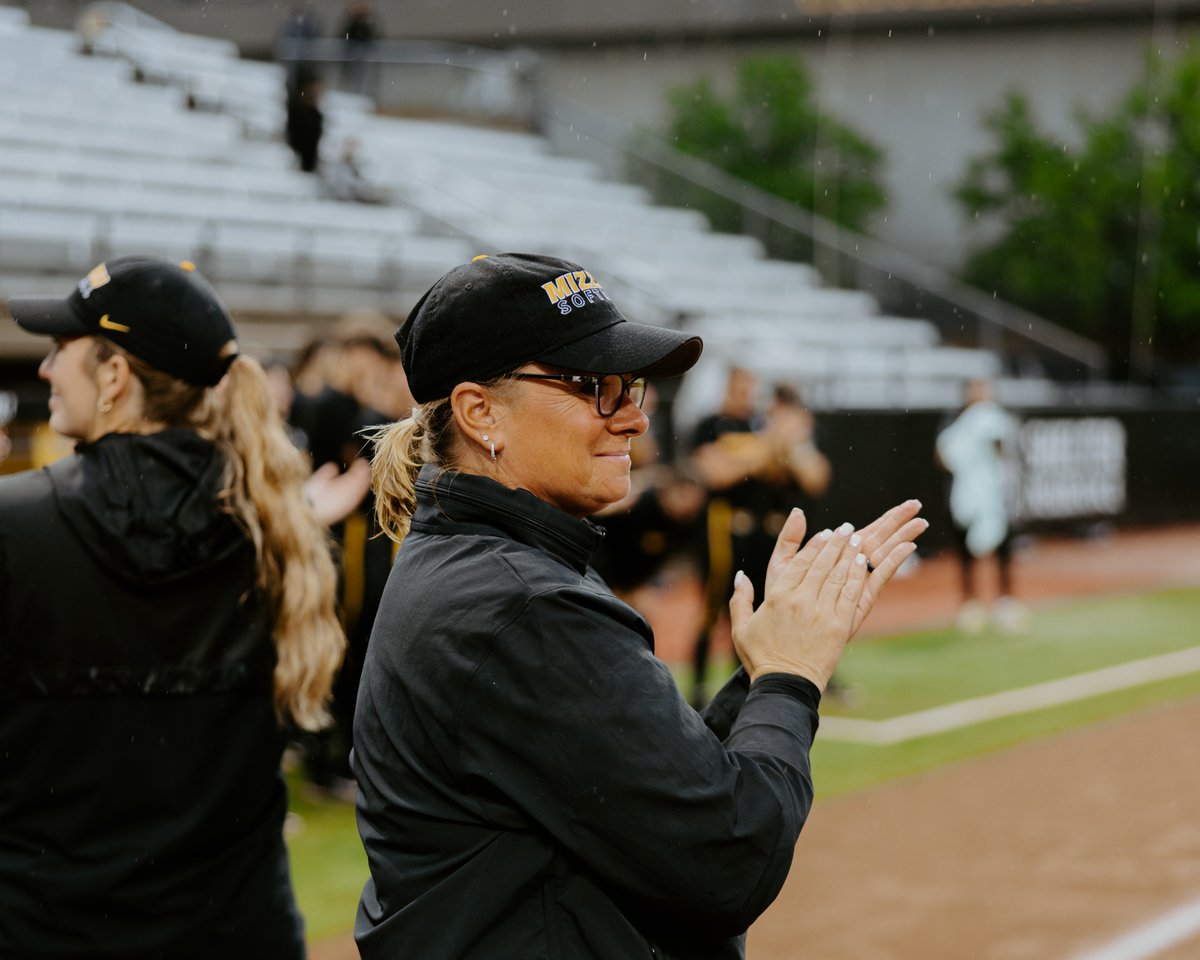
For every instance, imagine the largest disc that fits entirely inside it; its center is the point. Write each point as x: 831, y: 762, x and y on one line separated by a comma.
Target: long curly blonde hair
x: 263, y: 489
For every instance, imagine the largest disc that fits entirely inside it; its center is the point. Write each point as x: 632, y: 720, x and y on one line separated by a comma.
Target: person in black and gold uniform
x: 756, y: 468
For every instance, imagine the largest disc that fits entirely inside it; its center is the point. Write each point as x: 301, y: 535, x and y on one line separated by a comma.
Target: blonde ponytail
x: 394, y: 467
x: 264, y: 488
x: 400, y: 450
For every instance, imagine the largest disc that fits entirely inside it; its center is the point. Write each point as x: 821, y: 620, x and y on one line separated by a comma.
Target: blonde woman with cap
x: 167, y: 604
x: 531, y: 782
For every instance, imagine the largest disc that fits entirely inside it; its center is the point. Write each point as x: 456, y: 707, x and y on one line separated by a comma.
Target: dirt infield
x: 1037, y: 853
x: 1045, y: 851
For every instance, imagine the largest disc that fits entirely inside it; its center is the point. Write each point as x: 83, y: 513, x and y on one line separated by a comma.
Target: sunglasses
x: 610, y: 389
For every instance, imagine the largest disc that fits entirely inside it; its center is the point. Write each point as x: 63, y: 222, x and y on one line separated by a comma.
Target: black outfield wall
x: 1069, y: 469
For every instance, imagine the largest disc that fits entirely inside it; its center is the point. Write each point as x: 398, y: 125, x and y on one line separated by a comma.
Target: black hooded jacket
x: 141, y: 804
x: 531, y: 783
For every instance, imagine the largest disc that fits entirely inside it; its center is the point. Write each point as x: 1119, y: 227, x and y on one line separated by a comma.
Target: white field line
x: 1153, y: 938
x: 964, y: 713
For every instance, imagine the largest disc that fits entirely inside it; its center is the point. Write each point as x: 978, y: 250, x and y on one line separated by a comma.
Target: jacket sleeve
x: 573, y: 721
x: 723, y: 710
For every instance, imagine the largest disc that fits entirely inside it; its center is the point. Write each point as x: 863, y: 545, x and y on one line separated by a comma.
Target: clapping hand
x: 818, y: 595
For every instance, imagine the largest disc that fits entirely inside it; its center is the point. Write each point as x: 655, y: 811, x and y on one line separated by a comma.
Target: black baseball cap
x: 160, y: 311
x: 489, y: 316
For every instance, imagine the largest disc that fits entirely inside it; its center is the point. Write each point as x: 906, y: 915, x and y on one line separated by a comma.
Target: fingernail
x: 737, y: 579
x: 825, y: 534
x: 796, y: 510
x: 860, y: 559
x: 846, y: 528
x: 918, y: 503
x: 855, y: 540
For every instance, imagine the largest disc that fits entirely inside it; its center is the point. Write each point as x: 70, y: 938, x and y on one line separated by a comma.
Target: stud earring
x: 104, y: 406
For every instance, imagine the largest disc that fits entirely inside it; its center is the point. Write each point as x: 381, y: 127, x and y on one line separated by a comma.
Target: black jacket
x: 531, y: 783
x: 141, y: 804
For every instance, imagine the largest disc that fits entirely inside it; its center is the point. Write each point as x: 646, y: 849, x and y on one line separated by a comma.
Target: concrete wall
x: 921, y: 97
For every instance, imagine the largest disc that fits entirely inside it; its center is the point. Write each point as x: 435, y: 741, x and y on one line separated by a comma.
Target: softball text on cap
x: 575, y: 289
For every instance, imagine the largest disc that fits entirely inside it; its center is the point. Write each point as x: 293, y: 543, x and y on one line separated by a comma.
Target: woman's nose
x: 629, y: 419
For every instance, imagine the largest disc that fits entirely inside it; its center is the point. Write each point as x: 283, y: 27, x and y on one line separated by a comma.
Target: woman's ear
x: 113, y: 377
x: 477, y: 411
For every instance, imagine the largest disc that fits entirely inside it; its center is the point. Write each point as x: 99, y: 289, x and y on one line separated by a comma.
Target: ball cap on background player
x: 160, y: 311
x: 487, y: 317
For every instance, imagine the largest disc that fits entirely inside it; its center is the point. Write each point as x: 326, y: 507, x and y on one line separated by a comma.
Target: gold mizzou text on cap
x: 575, y: 289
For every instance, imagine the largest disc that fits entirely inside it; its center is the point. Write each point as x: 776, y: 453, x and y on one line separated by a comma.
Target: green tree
x: 771, y: 134
x: 1100, y: 237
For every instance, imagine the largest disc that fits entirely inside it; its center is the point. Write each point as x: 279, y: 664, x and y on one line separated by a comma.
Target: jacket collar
x: 448, y: 499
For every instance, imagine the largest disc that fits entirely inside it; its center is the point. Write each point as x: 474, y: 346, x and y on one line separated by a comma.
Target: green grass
x: 840, y: 768
x: 884, y: 677
x: 888, y: 677
x: 329, y: 866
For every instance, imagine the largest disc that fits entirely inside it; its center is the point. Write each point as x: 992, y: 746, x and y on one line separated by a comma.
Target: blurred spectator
x: 280, y: 379
x: 756, y: 468
x: 365, y: 385
x: 305, y: 122
x: 8, y: 410
x: 299, y: 28
x: 344, y: 179
x: 360, y: 30
x: 355, y: 377
x: 655, y: 523
x: 974, y: 449
x: 311, y: 367
x: 658, y: 525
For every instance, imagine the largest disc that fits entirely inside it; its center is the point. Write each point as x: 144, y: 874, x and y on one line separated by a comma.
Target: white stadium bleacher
x: 161, y: 143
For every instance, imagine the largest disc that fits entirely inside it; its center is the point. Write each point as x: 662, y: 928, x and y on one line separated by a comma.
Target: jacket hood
x: 146, y: 507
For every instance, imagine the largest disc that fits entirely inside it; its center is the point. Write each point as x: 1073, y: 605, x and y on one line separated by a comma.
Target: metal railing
x: 420, y: 76
x: 903, y: 285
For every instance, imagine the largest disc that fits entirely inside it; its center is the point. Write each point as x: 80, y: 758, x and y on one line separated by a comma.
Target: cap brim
x: 51, y: 318
x: 630, y: 348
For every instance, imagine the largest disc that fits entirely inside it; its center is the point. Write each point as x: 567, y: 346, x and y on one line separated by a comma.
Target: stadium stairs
x: 129, y: 137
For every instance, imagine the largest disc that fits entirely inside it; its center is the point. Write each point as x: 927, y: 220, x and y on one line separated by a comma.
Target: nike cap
x: 160, y: 311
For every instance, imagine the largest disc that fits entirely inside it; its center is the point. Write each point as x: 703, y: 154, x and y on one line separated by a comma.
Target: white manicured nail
x: 737, y: 579
x: 825, y: 534
x: 846, y: 528
x: 860, y: 559
x: 855, y: 540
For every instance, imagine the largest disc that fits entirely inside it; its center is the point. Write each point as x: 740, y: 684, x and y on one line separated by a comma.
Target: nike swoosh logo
x: 113, y: 325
